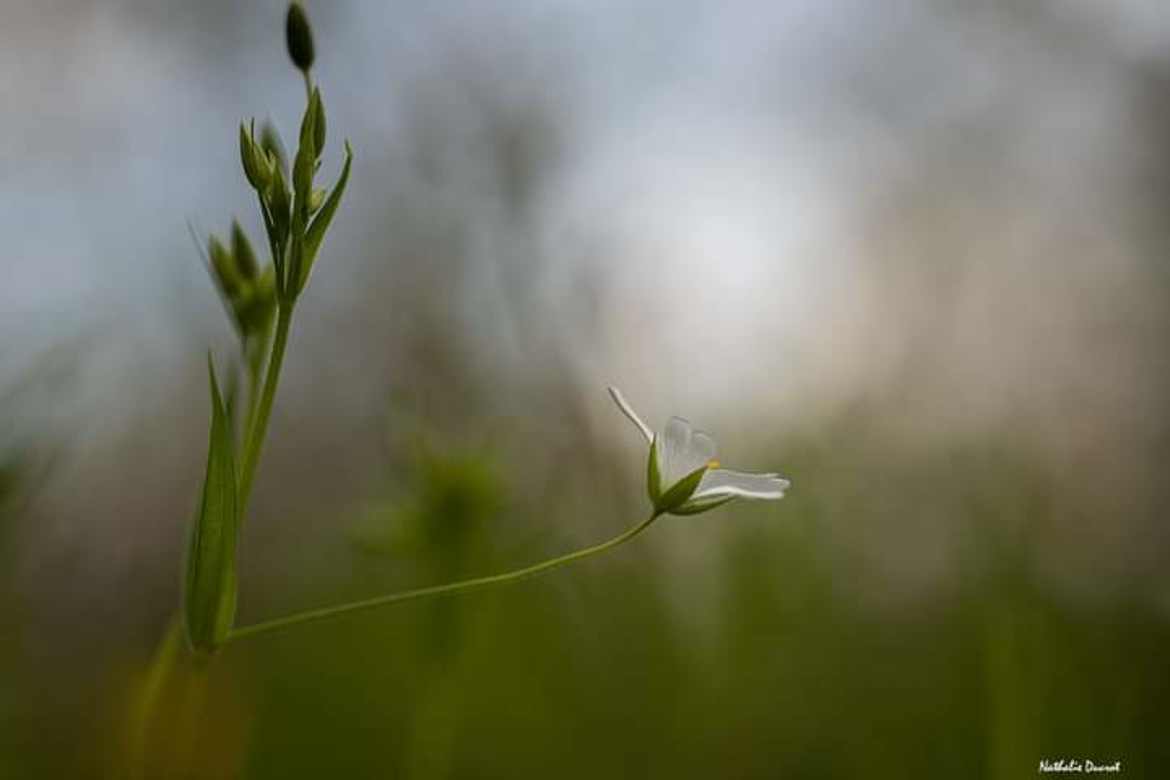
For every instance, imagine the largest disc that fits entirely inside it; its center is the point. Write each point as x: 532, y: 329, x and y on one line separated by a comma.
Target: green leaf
x: 316, y: 232
x: 680, y: 491
x: 209, y: 603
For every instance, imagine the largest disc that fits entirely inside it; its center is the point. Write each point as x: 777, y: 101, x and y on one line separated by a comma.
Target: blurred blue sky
x: 721, y: 159
x: 759, y: 212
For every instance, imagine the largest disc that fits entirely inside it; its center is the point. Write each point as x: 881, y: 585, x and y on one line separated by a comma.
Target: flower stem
x: 259, y: 427
x: 464, y: 586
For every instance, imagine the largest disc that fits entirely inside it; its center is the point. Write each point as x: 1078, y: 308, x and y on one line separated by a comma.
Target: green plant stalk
x: 259, y: 428
x: 254, y: 370
x: 146, y: 705
x: 463, y: 586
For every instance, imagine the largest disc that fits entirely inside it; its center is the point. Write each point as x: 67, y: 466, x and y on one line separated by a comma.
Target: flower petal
x: 682, y: 450
x: 628, y: 411
x: 717, y: 483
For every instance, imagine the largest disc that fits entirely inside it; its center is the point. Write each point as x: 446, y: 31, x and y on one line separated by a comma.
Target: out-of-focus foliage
x: 602, y: 672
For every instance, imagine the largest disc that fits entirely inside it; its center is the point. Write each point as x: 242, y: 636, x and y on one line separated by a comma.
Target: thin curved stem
x: 464, y: 586
x: 259, y: 428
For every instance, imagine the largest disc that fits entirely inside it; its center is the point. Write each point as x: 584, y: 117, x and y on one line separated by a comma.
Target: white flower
x: 683, y: 477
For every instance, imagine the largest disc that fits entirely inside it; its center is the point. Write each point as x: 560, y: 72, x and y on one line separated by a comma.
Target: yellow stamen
x: 712, y: 464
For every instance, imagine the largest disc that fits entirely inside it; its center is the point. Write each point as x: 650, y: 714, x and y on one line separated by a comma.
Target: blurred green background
x: 916, y: 260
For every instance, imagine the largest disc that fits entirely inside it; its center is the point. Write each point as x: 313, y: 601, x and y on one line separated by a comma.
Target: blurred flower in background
x: 927, y: 244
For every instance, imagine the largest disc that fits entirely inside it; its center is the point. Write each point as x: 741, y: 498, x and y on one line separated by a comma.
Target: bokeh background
x: 914, y: 256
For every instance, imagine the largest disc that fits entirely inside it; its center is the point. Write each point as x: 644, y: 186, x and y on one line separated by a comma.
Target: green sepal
x: 316, y: 232
x: 209, y: 595
x: 680, y: 491
x: 700, y: 505
x: 653, y: 476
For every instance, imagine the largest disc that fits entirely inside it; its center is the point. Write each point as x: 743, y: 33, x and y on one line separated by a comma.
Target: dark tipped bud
x: 224, y: 267
x: 299, y: 37
x: 242, y: 252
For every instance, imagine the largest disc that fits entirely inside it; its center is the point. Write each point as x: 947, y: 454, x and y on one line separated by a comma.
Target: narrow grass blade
x: 210, y: 594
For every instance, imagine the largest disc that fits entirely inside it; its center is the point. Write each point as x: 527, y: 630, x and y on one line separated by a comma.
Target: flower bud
x: 253, y: 164
x: 299, y: 37
x: 224, y: 268
x: 242, y: 252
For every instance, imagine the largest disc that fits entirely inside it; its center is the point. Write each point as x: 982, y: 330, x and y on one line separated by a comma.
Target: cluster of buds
x: 248, y: 294
x: 296, y: 217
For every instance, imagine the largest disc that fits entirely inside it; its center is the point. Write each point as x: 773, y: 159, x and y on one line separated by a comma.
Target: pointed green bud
x: 223, y: 266
x: 242, y: 252
x: 299, y: 37
x: 253, y: 163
